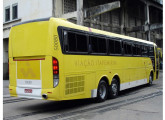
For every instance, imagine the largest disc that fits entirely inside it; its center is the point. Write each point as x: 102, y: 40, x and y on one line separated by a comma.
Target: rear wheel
x: 102, y: 91
x: 114, y: 89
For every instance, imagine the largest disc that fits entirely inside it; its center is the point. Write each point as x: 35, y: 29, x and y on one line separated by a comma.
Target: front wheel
x: 102, y: 91
x: 150, y: 80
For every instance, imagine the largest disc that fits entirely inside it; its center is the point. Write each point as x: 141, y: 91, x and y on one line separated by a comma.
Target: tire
x: 113, y: 89
x: 102, y: 91
x: 150, y: 80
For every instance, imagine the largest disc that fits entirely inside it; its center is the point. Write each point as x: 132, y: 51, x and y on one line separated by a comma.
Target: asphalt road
x: 140, y: 103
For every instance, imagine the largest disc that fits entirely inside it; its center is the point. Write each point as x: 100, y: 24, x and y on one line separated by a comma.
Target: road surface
x: 140, y: 103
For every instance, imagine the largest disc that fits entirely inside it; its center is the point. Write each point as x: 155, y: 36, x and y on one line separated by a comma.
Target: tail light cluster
x: 55, y: 72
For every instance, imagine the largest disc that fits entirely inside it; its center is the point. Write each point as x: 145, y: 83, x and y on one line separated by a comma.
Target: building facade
x: 15, y: 11
x: 137, y: 18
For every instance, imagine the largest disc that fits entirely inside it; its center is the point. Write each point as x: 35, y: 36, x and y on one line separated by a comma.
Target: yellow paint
x: 28, y: 69
x: 40, y: 40
x: 29, y: 57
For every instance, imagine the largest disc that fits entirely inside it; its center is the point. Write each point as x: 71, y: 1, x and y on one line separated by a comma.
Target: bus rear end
x: 33, y: 71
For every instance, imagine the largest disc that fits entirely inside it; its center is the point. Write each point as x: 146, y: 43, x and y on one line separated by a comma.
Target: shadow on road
x: 47, y: 106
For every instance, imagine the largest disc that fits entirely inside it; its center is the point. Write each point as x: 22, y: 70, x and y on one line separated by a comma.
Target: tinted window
x: 81, y: 43
x: 102, y: 45
x: 144, y: 50
x: 136, y: 49
x: 117, y: 47
x: 98, y: 45
x: 114, y: 47
x: 151, y: 51
x: 127, y: 48
x: 94, y: 44
x: 74, y: 42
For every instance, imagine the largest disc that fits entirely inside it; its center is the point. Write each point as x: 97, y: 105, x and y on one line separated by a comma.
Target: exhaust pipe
x: 44, y: 96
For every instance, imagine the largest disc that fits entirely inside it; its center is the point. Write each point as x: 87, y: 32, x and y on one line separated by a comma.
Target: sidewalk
x: 5, y: 87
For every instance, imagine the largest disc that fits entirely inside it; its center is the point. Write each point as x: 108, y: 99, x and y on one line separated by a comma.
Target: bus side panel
x: 78, y: 79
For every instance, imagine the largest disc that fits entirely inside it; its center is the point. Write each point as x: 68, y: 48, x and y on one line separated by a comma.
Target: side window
x: 128, y: 48
x: 136, y: 49
x: 74, y: 42
x: 98, y: 45
x: 111, y: 46
x: 151, y: 51
x: 94, y: 44
x: 114, y: 47
x: 144, y: 50
x: 117, y: 47
x: 102, y: 45
x: 81, y: 43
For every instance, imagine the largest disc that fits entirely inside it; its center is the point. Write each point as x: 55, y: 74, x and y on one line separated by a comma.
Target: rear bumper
x: 52, y: 93
x: 35, y: 93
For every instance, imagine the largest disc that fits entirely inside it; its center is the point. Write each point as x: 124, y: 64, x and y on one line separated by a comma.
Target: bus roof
x: 64, y: 23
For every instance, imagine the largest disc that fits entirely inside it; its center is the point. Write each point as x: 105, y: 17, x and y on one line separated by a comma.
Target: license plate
x: 28, y: 90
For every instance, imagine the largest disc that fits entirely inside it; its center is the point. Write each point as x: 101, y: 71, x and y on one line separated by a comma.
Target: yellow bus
x: 54, y: 59
x: 160, y: 59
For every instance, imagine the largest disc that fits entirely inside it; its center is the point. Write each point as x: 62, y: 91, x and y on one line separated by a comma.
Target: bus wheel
x: 102, y: 91
x: 150, y: 80
x: 114, y: 89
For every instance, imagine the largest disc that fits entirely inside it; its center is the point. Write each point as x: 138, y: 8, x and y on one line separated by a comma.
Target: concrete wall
x: 27, y: 10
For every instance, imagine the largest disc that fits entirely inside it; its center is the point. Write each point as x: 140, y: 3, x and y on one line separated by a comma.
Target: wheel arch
x: 105, y: 78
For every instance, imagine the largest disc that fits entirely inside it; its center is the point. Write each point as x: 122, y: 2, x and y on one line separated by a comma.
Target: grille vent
x: 74, y: 85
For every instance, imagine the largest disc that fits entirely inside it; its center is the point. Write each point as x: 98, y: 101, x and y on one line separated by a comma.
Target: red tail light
x: 55, y: 66
x: 55, y: 72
